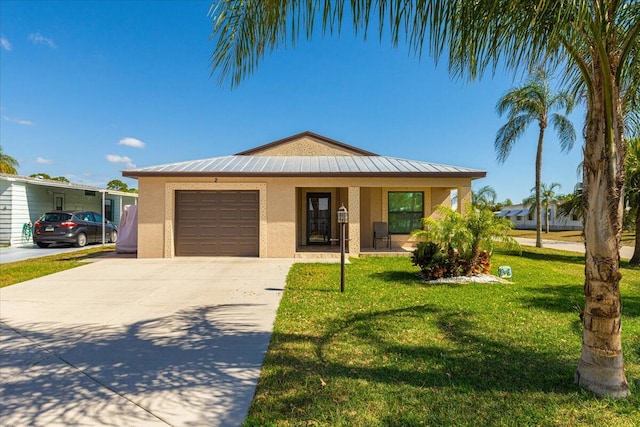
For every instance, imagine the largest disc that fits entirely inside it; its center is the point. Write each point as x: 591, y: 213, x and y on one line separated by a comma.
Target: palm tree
x: 8, y: 164
x: 524, y: 105
x: 632, y: 190
x: 596, y: 42
x: 571, y: 204
x: 484, y: 197
x: 469, y: 233
x: 545, y: 196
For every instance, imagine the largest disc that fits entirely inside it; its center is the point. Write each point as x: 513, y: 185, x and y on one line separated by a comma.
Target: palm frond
x: 508, y: 134
x: 564, y: 128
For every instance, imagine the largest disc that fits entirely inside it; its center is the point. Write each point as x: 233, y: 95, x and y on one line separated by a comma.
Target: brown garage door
x: 217, y: 223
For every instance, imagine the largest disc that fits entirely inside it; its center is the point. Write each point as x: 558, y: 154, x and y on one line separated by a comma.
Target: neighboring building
x: 24, y: 200
x: 524, y: 218
x: 280, y: 199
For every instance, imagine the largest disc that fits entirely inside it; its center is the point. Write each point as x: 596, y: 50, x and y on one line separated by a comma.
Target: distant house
x: 523, y: 217
x: 279, y: 200
x: 24, y: 199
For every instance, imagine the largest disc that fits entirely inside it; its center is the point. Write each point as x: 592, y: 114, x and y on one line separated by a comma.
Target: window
x: 406, y: 209
x: 108, y: 209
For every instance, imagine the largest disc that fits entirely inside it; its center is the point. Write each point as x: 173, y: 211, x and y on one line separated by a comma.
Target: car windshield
x: 56, y: 217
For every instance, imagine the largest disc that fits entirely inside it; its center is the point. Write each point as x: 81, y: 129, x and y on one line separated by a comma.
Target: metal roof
x: 247, y: 165
x: 513, y: 212
x: 62, y: 185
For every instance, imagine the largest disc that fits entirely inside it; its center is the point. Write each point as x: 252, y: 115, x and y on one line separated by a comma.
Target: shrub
x: 430, y: 258
x: 460, y: 244
x: 435, y: 263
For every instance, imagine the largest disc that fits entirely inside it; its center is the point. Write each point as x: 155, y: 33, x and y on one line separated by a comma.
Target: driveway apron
x: 138, y: 342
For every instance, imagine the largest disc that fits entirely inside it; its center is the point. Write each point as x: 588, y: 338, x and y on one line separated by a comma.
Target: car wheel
x: 114, y: 236
x: 42, y: 245
x: 82, y: 240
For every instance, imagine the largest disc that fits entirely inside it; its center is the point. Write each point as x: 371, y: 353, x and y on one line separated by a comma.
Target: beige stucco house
x: 280, y: 199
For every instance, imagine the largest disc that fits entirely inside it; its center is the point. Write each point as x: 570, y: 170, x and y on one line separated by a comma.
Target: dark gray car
x: 78, y: 228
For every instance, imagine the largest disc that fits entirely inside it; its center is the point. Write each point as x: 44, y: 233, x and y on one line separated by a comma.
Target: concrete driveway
x: 138, y: 342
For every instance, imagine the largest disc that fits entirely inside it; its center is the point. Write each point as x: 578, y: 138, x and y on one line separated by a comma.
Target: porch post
x: 354, y: 221
x: 464, y: 198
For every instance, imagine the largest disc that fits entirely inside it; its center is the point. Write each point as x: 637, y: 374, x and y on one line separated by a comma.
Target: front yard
x: 392, y: 350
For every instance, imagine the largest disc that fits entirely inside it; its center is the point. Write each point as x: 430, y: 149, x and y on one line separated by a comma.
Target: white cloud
x: 43, y: 161
x: 4, y: 42
x: 114, y: 158
x: 18, y: 121
x: 37, y: 38
x: 132, y: 142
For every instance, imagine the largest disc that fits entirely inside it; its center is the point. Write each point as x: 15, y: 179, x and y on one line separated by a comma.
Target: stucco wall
x: 283, y: 220
x: 151, y: 207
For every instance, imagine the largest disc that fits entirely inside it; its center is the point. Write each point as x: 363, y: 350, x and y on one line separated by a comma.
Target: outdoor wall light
x: 343, y: 215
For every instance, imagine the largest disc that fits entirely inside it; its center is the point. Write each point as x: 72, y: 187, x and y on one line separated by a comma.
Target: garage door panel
x: 248, y: 231
x: 217, y: 223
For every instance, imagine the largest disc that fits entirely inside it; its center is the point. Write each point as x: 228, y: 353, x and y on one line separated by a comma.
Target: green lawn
x: 19, y: 271
x: 393, y: 351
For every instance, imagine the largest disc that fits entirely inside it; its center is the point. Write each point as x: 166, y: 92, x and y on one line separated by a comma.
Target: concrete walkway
x: 134, y: 342
x: 625, y: 251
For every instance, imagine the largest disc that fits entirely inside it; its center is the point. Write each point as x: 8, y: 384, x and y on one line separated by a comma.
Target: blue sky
x: 90, y: 88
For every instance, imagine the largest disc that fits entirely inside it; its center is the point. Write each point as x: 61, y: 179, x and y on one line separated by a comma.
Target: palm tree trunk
x: 635, y: 259
x: 538, y: 185
x: 546, y: 218
x: 601, y: 365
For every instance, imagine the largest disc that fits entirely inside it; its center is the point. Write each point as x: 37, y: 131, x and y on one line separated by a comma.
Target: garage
x: 217, y: 223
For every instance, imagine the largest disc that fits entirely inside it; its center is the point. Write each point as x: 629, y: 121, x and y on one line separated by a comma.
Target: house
x: 280, y: 199
x: 23, y: 200
x: 523, y: 218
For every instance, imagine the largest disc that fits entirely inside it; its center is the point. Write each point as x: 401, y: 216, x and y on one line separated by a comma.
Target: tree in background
x: 534, y: 102
x: 8, y: 164
x: 570, y: 205
x: 46, y: 176
x: 117, y: 185
x: 596, y: 42
x: 632, y: 191
x: 547, y: 196
x: 484, y: 197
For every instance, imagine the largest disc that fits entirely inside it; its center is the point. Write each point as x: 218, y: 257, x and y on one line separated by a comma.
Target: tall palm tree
x: 544, y: 196
x: 534, y: 102
x: 632, y: 190
x: 8, y: 164
x: 595, y: 41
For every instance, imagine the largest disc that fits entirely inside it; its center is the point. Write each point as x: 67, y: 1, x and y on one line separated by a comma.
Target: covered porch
x: 400, y: 208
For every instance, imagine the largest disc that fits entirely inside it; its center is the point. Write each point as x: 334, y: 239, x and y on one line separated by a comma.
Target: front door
x: 318, y: 218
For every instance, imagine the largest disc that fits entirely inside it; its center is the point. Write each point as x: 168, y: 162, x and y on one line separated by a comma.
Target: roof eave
x: 469, y: 174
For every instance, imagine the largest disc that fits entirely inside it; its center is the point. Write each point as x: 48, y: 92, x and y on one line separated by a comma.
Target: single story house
x: 280, y: 200
x: 23, y: 200
x: 523, y: 218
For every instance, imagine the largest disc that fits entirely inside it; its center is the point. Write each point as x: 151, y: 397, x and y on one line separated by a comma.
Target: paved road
x: 134, y: 342
x: 19, y: 253
x: 625, y: 251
